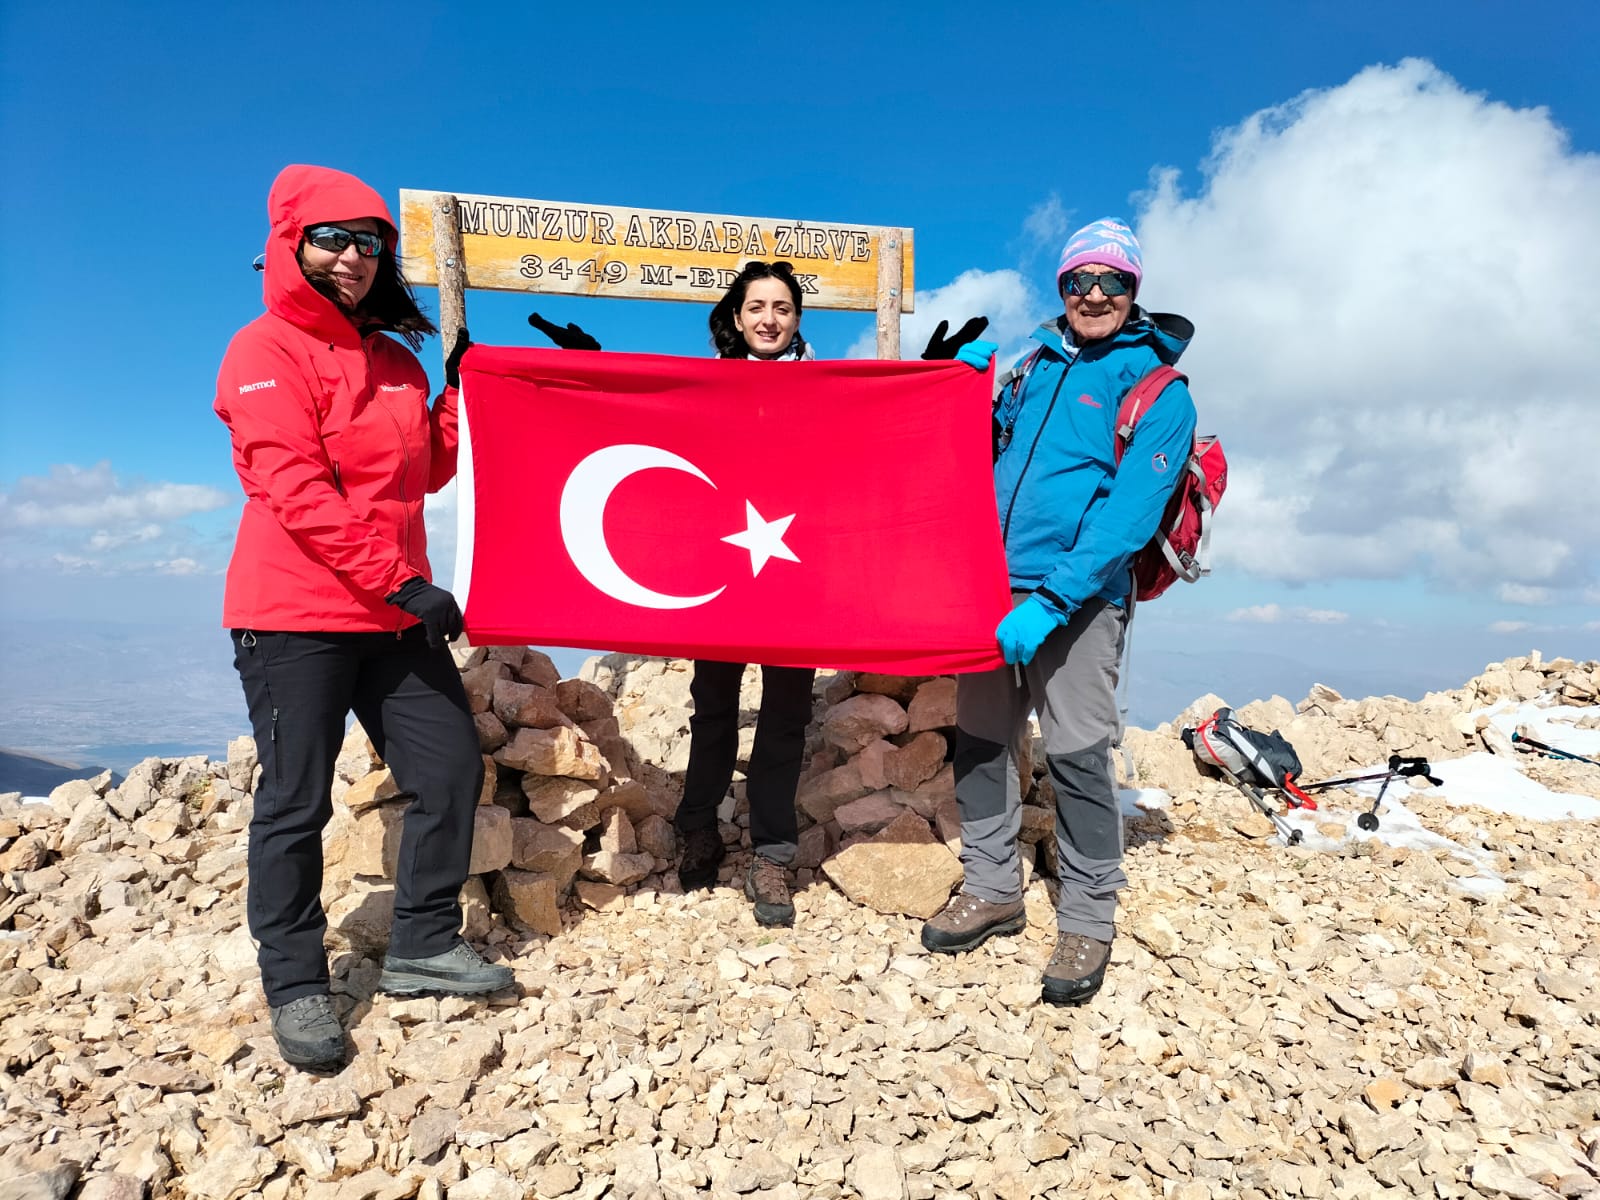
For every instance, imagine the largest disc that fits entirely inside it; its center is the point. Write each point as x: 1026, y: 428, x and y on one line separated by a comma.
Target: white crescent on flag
x: 583, y: 505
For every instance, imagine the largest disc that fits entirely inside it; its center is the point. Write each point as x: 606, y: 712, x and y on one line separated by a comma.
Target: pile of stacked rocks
x: 876, y: 802
x: 559, y: 814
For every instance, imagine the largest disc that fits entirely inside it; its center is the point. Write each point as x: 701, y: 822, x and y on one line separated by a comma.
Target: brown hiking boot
x: 1076, y: 969
x: 701, y: 856
x: 767, y: 884
x: 967, y: 921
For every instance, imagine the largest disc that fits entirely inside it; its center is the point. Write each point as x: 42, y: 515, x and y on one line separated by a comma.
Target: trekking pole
x: 1291, y: 837
x: 1368, y: 820
x: 1541, y: 748
x: 1398, y: 765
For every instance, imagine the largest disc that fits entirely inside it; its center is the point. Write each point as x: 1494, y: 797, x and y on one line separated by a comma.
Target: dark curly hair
x: 725, y: 335
x: 389, y: 304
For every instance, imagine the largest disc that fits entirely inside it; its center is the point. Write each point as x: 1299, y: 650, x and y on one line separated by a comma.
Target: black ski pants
x: 774, y: 761
x: 408, y: 696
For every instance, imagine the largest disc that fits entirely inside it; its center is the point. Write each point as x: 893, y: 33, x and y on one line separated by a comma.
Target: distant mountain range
x: 35, y: 776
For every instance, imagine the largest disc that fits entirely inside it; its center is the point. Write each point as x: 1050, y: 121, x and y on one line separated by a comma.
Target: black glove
x: 452, y: 364
x: 433, y: 606
x: 570, y: 338
x: 941, y: 347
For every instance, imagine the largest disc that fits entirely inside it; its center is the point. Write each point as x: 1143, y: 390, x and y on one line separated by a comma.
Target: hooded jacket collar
x: 1167, y: 334
x: 301, y: 196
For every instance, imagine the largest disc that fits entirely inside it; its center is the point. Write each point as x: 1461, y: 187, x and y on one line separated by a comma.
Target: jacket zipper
x: 1005, y: 529
x: 405, y: 470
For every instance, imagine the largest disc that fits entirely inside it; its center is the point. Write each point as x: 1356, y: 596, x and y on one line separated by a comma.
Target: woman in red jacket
x: 330, y: 602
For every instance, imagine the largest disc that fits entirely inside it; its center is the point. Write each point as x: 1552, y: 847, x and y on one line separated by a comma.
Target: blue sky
x: 1383, y: 220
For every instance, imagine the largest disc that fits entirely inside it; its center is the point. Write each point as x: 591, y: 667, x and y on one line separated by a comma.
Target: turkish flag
x: 832, y: 514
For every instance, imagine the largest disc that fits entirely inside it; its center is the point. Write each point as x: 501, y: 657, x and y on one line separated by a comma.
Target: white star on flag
x: 763, y: 538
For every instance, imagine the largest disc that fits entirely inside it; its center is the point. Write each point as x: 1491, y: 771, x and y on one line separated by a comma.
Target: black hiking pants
x: 300, y: 687
x: 774, y: 761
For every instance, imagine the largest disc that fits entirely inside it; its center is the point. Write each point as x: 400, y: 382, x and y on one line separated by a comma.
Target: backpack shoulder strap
x: 1013, y: 376
x: 1138, y: 400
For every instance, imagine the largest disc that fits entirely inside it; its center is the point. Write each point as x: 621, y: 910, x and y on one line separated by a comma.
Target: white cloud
x: 439, y: 517
x: 1048, y: 224
x: 1510, y: 626
x: 1392, y: 283
x: 1263, y: 614
x: 72, y: 496
x: 89, y: 520
x: 1011, y: 303
x: 104, y: 539
x: 1519, y: 593
x: 1275, y: 614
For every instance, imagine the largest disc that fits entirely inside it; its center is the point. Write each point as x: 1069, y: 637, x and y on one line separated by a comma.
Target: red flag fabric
x: 829, y: 514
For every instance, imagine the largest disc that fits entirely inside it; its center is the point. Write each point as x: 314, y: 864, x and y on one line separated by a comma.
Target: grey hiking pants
x: 1072, y: 682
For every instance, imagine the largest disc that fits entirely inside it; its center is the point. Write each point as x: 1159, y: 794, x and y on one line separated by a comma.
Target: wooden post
x: 891, y: 270
x: 450, y: 262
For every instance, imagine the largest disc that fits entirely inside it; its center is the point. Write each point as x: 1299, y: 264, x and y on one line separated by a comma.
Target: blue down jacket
x: 1072, y: 519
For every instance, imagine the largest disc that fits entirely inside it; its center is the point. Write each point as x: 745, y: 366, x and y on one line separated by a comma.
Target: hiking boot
x: 767, y: 884
x: 702, y: 855
x: 1076, y: 969
x: 460, y: 971
x: 967, y: 921
x: 308, y: 1033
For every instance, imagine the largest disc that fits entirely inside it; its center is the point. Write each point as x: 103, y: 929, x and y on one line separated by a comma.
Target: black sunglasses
x: 335, y: 239
x: 1112, y: 283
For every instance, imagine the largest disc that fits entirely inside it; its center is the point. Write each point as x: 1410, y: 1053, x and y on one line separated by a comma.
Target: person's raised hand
x: 433, y: 606
x: 941, y: 347
x: 569, y: 337
x: 452, y: 362
x: 977, y: 354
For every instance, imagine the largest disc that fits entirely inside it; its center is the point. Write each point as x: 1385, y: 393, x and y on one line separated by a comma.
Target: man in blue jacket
x: 1072, y: 520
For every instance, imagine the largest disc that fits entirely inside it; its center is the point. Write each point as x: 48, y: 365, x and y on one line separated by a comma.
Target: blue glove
x: 977, y: 354
x: 1024, y: 630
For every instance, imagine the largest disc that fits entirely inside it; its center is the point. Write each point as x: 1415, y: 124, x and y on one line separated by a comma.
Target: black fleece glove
x: 452, y: 364
x: 941, y: 347
x: 433, y: 606
x: 570, y: 338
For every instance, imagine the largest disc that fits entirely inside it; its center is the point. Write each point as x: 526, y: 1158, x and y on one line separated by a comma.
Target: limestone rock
x: 583, y: 701
x: 863, y: 719
x: 531, y: 897
x: 561, y: 751
x: 491, y: 839
x: 527, y: 705
x: 933, y: 706
x: 557, y: 800
x: 900, y: 869
x: 372, y: 788
x: 549, y: 849
x: 479, y: 682
x: 821, y: 795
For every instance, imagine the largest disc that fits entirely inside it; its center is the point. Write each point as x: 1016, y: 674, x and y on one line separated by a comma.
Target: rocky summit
x: 1411, y: 1012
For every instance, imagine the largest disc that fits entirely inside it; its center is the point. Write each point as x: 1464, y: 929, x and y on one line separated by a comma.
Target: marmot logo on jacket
x: 256, y: 387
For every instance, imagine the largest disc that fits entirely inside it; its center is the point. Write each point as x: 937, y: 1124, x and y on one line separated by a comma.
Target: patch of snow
x: 1554, y: 725
x: 1398, y: 826
x: 1142, y: 800
x: 1490, y: 781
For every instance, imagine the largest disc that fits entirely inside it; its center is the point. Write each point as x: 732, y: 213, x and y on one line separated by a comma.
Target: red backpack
x: 1181, y: 547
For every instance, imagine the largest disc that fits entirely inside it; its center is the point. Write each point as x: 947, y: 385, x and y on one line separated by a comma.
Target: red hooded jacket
x: 333, y: 440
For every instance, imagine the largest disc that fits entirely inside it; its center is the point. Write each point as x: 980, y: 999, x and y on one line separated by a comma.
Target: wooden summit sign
x: 641, y: 253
